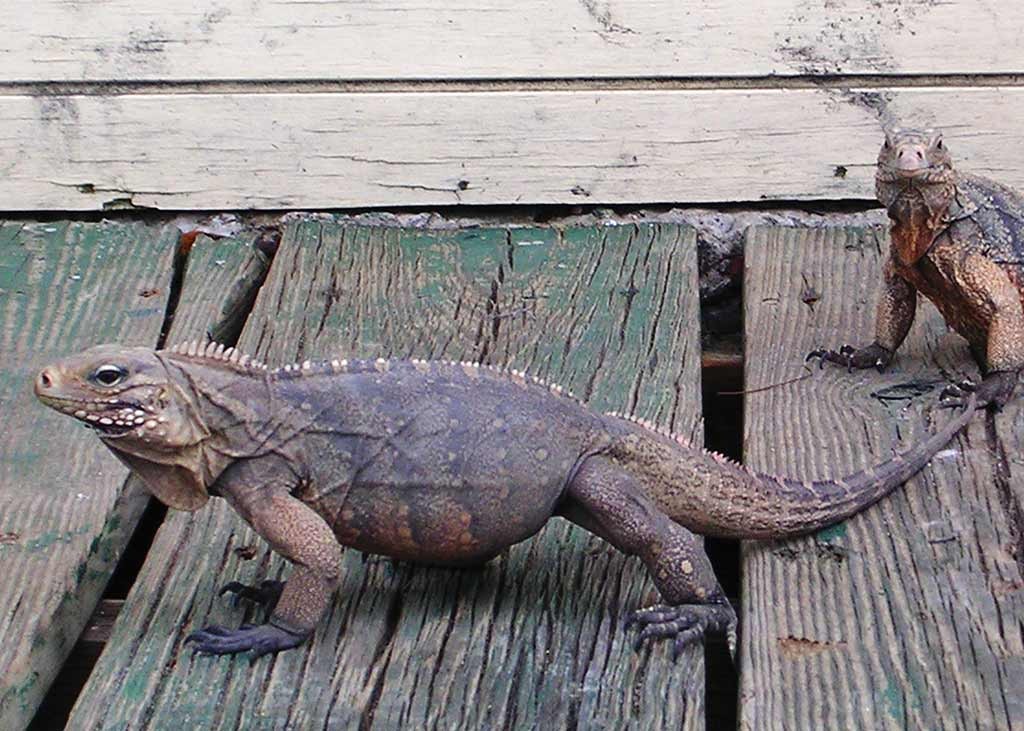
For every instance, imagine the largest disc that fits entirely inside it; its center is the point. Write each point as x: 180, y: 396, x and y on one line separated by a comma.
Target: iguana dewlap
x: 958, y: 239
x: 439, y: 462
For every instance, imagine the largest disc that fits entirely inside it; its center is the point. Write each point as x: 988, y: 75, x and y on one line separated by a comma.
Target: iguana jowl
x: 959, y: 240
x: 438, y: 462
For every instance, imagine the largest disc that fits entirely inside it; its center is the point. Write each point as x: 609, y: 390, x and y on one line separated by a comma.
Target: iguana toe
x: 685, y: 623
x: 259, y: 639
x: 266, y: 594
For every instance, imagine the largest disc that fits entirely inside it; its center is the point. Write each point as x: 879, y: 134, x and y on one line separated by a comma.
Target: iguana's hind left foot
x: 685, y: 622
x: 260, y: 639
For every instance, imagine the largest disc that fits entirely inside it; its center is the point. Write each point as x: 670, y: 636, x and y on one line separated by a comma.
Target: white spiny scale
x: 219, y: 352
x: 192, y: 349
x: 244, y: 359
x: 306, y: 365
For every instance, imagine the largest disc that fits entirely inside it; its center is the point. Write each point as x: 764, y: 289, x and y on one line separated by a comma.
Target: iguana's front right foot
x: 870, y: 356
x: 686, y: 623
x: 994, y: 391
x: 266, y: 594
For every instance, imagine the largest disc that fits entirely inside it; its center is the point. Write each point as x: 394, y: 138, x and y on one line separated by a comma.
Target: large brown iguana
x: 959, y: 240
x: 438, y: 462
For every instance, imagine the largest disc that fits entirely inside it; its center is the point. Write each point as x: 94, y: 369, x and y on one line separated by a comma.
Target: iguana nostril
x: 45, y: 381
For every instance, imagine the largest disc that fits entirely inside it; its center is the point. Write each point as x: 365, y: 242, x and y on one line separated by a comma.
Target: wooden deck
x: 535, y: 636
x: 907, y: 616
x: 904, y: 617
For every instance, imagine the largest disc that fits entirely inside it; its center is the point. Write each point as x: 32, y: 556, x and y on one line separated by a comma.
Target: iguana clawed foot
x: 260, y: 639
x: 995, y: 391
x: 266, y: 594
x: 685, y: 622
x: 870, y: 356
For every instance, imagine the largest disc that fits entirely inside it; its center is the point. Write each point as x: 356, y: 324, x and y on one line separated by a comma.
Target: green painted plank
x: 532, y: 639
x: 908, y: 615
x: 64, y: 512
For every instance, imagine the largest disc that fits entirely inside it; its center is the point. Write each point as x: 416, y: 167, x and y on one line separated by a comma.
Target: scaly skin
x: 437, y: 462
x: 958, y: 239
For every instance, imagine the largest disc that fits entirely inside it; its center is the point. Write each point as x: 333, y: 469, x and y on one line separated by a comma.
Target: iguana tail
x: 715, y: 496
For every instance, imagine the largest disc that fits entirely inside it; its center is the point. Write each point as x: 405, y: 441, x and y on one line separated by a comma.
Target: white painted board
x: 272, y: 151
x: 255, y: 40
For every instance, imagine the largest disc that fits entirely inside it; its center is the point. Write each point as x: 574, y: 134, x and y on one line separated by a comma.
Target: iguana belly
x: 443, y: 526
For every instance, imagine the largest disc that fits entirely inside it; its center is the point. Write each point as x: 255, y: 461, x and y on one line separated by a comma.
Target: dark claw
x: 259, y: 639
x: 955, y: 394
x: 266, y: 594
x: 870, y: 356
x: 994, y: 391
x: 684, y: 623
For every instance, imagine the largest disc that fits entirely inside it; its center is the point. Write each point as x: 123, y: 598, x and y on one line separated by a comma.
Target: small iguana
x: 443, y: 463
x: 959, y: 240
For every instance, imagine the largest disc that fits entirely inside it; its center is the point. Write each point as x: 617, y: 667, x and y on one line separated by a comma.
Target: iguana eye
x: 109, y: 375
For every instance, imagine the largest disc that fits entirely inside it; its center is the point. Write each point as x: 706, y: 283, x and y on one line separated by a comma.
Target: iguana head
x: 130, y: 397
x: 914, y: 171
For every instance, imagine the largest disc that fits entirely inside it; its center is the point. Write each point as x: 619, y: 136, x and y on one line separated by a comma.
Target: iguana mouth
x: 110, y: 417
x: 933, y: 175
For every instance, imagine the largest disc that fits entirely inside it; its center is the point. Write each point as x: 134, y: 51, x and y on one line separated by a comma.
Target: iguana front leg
x: 607, y: 500
x: 894, y: 315
x: 986, y: 283
x: 296, y: 532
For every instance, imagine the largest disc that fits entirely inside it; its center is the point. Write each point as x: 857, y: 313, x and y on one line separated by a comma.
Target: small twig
x: 766, y: 388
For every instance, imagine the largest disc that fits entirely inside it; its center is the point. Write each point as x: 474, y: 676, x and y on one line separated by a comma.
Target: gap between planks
x: 634, y: 83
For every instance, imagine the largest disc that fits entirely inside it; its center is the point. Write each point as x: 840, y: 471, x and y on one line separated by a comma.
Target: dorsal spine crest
x: 218, y: 352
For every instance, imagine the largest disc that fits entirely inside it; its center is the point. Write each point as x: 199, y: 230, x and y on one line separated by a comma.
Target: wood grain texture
x: 211, y: 151
x: 436, y: 39
x: 532, y: 639
x: 65, y: 514
x: 908, y: 615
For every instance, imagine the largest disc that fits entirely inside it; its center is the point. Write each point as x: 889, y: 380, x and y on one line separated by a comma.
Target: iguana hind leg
x: 607, y: 500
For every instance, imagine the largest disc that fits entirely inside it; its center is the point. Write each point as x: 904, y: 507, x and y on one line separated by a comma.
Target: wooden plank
x: 213, y: 151
x: 493, y: 39
x: 906, y: 616
x: 65, y: 514
x: 536, y: 634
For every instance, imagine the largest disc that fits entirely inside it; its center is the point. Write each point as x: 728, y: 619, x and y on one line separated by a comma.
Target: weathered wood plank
x: 906, y: 616
x: 217, y: 151
x: 532, y: 639
x: 65, y: 514
x: 434, y: 39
